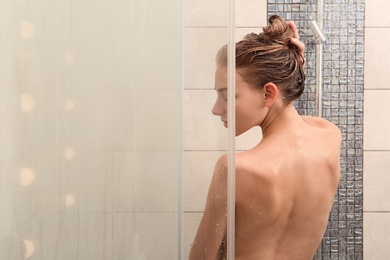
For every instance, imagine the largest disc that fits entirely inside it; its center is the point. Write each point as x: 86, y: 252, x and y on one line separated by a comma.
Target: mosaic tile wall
x: 342, y: 101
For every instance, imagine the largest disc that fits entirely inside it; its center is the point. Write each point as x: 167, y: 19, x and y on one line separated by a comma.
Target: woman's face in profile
x: 249, y: 102
x: 220, y: 106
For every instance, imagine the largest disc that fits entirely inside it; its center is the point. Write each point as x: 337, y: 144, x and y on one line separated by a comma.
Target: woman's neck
x: 279, y: 118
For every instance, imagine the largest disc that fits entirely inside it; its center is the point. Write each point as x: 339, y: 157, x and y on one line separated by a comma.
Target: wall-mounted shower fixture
x: 320, y: 38
x: 319, y: 35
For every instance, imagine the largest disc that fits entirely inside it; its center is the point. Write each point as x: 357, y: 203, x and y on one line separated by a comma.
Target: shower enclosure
x: 107, y: 141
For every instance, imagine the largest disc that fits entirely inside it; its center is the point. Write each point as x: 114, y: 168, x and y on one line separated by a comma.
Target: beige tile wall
x: 205, y: 138
x: 376, y: 177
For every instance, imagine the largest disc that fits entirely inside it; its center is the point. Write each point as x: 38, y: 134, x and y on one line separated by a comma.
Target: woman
x: 286, y: 184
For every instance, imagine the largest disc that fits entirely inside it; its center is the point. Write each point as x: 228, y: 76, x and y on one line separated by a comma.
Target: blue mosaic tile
x: 342, y: 102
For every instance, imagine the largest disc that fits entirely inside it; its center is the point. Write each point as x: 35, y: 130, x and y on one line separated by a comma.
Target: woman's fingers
x: 299, y: 44
x: 294, y: 28
x: 295, y: 41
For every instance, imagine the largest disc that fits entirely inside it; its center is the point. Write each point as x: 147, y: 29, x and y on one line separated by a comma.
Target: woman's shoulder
x: 320, y: 122
x: 332, y: 130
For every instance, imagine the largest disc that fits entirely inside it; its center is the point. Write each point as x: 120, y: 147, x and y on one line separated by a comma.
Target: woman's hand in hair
x: 295, y: 41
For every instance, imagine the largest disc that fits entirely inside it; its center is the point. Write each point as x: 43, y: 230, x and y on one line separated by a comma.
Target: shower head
x: 318, y: 33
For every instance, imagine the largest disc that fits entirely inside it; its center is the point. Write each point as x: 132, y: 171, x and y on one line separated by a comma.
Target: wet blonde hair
x: 270, y: 57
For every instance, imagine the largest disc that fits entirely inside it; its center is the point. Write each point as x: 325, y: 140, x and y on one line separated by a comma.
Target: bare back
x: 285, y: 191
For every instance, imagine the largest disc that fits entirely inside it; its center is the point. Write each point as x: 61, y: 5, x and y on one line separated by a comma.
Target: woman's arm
x: 209, y: 239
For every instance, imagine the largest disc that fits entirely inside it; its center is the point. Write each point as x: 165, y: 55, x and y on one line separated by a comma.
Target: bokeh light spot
x: 26, y: 176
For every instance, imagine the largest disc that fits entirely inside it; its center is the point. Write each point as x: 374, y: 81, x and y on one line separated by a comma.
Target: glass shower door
x: 91, y: 142
x: 206, y: 30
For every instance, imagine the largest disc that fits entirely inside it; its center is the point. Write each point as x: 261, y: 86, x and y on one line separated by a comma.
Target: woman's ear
x: 271, y: 93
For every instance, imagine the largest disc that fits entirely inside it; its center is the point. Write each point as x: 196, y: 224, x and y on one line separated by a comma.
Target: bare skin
x: 285, y: 188
x: 285, y: 185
